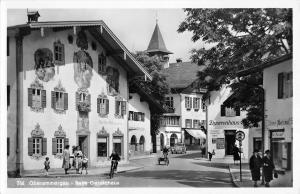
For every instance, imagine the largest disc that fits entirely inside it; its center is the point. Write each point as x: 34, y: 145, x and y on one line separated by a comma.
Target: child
x: 47, y: 165
x: 84, y: 164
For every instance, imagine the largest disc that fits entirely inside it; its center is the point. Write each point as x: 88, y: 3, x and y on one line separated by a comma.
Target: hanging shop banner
x: 220, y: 143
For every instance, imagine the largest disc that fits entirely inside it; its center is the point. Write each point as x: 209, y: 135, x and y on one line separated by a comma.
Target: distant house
x: 67, y: 84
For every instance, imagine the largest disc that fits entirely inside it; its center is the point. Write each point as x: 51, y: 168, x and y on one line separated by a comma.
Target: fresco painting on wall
x: 44, y: 66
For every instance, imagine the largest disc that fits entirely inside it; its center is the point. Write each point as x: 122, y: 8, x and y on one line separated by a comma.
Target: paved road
x: 183, y: 171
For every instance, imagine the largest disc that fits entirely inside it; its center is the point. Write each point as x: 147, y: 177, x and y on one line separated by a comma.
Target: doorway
x: 83, y: 143
x: 162, y: 141
x: 229, y: 141
x: 173, y: 140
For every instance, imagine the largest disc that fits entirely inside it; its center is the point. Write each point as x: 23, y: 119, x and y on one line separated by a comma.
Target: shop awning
x: 196, y: 133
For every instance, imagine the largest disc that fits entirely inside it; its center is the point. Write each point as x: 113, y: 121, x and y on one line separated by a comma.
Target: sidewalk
x: 143, y: 156
x: 283, y: 180
x: 94, y: 171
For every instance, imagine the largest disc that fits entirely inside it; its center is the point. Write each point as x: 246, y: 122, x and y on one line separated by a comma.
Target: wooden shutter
x: 88, y: 97
x: 98, y: 105
x: 107, y: 106
x: 44, y: 99
x: 186, y: 102
x: 123, y: 104
x: 53, y: 99
x: 191, y: 99
x: 280, y: 85
x: 44, y: 146
x: 222, y: 110
x: 63, y: 54
x: 143, y: 116
x: 65, y: 101
x: 30, y: 97
x: 54, y: 146
x: 77, y: 96
x: 66, y: 142
x: 117, y: 107
x: 237, y: 111
x: 30, y: 146
x: 194, y: 103
x: 285, y: 86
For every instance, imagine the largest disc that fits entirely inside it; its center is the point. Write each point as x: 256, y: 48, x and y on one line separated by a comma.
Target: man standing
x: 255, y: 165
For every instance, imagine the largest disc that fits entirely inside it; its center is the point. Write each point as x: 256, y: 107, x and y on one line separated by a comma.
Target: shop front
x: 194, y: 139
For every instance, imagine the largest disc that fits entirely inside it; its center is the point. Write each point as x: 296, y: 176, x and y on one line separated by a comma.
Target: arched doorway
x: 142, y: 143
x: 162, y: 141
x: 133, y: 143
x: 173, y: 139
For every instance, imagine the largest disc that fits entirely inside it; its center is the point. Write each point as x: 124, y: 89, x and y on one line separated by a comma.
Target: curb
x: 231, y: 177
x: 80, y: 175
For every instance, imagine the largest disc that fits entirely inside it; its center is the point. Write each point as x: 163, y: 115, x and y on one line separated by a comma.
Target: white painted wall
x: 277, y: 109
x: 140, y: 128
x: 49, y: 120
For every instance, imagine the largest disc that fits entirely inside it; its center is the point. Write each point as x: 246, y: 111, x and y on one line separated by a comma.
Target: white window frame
x: 37, y: 146
x: 197, y: 103
x: 102, y: 106
x: 82, y: 97
x: 36, y: 99
x: 59, y: 100
x: 170, y: 101
x: 60, y: 141
x: 230, y: 112
x: 190, y: 122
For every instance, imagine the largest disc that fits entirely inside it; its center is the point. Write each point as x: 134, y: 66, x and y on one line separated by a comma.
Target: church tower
x: 157, y: 47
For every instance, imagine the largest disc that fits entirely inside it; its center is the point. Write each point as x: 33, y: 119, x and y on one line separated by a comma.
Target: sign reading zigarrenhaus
x: 229, y: 122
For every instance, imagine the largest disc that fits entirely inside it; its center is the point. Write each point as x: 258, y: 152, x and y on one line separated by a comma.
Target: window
x: 83, y: 100
x: 120, y: 108
x: 204, y: 105
x: 37, y: 145
x: 36, y: 98
x: 196, y: 124
x: 102, y: 147
x: 117, y: 145
x: 188, y: 123
x: 102, y: 106
x: 229, y: 111
x: 285, y: 85
x: 188, y: 102
x: 196, y: 103
x: 101, y: 63
x: 8, y: 146
x: 169, y: 102
x: 171, y: 121
x: 59, y: 100
x: 58, y: 144
x: 136, y: 116
x: 8, y: 95
x: 59, y: 53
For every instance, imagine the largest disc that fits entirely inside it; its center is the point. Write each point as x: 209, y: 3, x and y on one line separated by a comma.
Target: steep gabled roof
x: 157, y: 44
x: 182, y: 74
x: 100, y: 31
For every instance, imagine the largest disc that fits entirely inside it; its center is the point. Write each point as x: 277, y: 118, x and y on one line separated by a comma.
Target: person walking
x: 255, y: 165
x: 78, y: 159
x: 47, y: 165
x: 236, y: 153
x: 268, y: 167
x: 66, y: 159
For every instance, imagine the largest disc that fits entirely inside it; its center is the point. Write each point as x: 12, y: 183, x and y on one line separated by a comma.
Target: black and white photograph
x: 148, y: 97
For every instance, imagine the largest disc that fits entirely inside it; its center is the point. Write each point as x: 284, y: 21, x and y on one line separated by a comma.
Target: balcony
x: 169, y: 110
x: 84, y: 106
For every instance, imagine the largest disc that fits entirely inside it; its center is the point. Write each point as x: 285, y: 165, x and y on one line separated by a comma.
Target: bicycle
x: 112, y: 168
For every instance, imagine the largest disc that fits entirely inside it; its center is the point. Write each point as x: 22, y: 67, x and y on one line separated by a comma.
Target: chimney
x: 33, y: 16
x: 179, y: 60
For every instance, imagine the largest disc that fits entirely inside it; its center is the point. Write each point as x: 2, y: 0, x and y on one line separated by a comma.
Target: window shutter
x: 44, y: 146
x: 143, y: 116
x: 63, y: 54
x: 186, y: 123
x: 186, y: 102
x: 44, y: 99
x: 30, y: 146
x: 66, y: 142
x: 107, y: 106
x: 66, y: 101
x: 98, y: 105
x: 30, y: 97
x: 237, y: 111
x: 77, y: 100
x: 285, y: 85
x: 88, y: 97
x: 53, y: 99
x: 191, y: 99
x: 54, y: 146
x: 222, y: 110
x: 194, y: 103
x: 123, y: 104
x: 280, y: 85
x: 117, y: 107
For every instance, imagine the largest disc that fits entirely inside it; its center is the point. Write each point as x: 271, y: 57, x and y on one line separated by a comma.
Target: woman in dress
x: 268, y: 168
x: 66, y: 159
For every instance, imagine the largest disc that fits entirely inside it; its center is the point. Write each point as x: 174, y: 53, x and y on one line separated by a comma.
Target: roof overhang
x: 264, y: 65
x: 102, y: 34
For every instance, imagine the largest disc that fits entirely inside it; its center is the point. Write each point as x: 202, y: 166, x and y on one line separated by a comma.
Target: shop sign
x: 224, y: 123
x: 215, y: 133
x: 279, y: 134
x: 280, y: 122
x: 214, y: 140
x: 220, y: 143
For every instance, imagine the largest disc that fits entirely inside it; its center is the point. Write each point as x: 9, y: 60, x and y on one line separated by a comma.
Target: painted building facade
x: 67, y: 84
x: 224, y: 122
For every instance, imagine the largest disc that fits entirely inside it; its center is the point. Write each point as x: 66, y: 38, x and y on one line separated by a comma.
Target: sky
x: 134, y: 27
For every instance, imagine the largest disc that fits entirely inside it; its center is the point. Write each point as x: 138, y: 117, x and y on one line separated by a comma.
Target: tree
x: 238, y: 39
x: 157, y: 88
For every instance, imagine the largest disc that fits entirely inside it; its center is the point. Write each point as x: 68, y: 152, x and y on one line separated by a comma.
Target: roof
x: 100, y: 31
x: 182, y: 74
x: 157, y: 43
x: 265, y: 65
